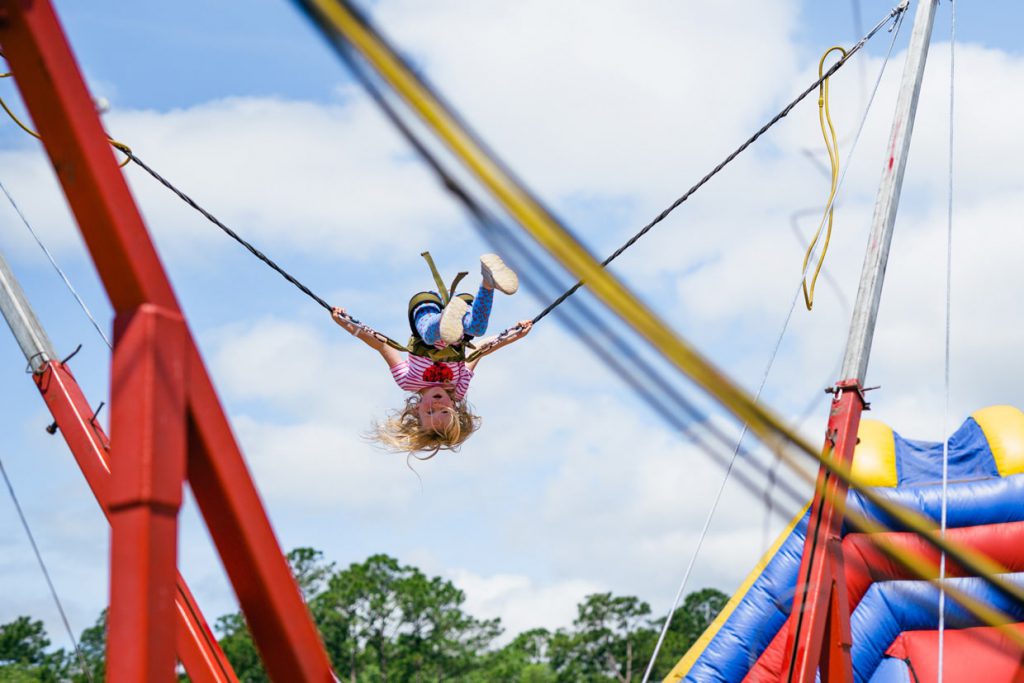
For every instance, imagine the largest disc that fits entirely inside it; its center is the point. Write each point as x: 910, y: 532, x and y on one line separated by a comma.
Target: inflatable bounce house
x: 893, y: 619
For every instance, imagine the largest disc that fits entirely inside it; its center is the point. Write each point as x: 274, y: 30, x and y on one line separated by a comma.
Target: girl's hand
x: 524, y: 327
x: 341, y: 317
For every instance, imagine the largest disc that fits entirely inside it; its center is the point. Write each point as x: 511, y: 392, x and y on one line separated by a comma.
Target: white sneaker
x: 498, y: 275
x: 451, y: 321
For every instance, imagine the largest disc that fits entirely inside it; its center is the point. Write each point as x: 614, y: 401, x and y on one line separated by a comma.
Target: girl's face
x: 436, y: 409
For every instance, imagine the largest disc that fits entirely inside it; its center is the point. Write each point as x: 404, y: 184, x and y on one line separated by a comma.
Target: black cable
x: 713, y: 172
x: 676, y: 401
x: 483, y: 219
x: 231, y: 233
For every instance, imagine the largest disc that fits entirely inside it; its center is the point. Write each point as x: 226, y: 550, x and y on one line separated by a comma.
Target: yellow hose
x: 829, y: 134
x: 114, y: 143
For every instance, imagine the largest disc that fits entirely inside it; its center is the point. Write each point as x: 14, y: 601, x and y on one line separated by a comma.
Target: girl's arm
x: 391, y: 356
x: 516, y: 333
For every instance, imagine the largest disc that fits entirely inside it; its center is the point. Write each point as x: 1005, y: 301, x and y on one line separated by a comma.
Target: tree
x: 24, y: 656
x: 689, y: 622
x: 524, y: 660
x: 92, y: 645
x: 382, y: 620
x: 311, y: 574
x: 23, y: 641
x: 310, y: 570
x: 607, y: 632
x: 239, y: 648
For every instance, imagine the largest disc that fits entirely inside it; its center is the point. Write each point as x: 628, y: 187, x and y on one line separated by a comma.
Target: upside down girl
x: 435, y: 369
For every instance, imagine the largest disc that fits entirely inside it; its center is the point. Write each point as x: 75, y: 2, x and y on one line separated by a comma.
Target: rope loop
x: 828, y: 132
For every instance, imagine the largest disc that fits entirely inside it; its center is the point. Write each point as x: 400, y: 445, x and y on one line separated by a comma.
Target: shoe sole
x: 504, y: 278
x: 451, y: 321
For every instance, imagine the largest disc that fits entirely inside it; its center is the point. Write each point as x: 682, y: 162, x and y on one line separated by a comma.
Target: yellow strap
x: 824, y: 116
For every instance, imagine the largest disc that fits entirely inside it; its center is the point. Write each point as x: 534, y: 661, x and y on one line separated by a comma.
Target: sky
x: 609, y: 111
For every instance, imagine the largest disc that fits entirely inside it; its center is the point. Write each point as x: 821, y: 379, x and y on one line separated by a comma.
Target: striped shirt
x: 410, y: 375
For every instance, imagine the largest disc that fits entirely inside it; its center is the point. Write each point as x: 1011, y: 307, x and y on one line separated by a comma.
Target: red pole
x: 197, y: 647
x: 126, y: 261
x: 147, y: 422
x: 819, y: 625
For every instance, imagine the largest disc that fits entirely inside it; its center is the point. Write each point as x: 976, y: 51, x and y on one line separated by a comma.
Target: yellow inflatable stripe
x: 874, y: 459
x: 1004, y: 428
x: 697, y: 649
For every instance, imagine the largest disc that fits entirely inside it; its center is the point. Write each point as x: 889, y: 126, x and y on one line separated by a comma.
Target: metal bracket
x: 852, y: 385
x: 92, y: 420
x: 71, y: 355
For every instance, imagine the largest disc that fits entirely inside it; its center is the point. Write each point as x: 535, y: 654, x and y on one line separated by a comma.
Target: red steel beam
x: 63, y: 112
x: 148, y: 454
x: 197, y: 646
x: 819, y: 623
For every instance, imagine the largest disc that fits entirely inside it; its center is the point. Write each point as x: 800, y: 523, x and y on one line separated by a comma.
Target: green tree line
x: 384, y: 621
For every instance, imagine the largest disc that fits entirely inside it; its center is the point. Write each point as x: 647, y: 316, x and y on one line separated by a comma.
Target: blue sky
x: 572, y: 486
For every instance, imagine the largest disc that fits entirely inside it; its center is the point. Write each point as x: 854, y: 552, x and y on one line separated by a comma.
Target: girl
x: 435, y: 371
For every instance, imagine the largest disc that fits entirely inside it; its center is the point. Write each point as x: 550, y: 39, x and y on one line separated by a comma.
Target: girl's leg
x: 475, y: 321
x: 427, y: 318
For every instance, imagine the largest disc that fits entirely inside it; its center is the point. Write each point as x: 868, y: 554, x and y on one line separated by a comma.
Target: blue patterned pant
x: 427, y: 317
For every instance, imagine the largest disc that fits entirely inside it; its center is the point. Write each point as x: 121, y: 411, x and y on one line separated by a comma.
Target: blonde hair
x: 401, y: 431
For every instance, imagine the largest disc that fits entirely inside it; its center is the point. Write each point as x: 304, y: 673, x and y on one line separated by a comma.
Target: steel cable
x: 46, y: 573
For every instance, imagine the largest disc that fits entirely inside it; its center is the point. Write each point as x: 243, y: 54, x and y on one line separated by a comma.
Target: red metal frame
x: 147, y: 423
x: 197, y: 647
x: 182, y: 406
x: 819, y: 623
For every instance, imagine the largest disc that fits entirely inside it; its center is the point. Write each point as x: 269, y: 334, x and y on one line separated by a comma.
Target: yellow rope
x: 824, y: 117
x: 113, y: 143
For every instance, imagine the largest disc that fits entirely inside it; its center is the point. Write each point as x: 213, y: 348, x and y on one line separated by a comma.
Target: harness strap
x: 442, y: 290
x: 457, y: 280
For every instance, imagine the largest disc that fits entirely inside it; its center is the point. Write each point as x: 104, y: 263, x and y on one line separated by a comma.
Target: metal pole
x: 22, y: 320
x: 865, y: 313
x: 819, y: 635
x: 197, y: 648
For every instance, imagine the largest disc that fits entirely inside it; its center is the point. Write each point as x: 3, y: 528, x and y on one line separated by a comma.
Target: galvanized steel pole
x: 819, y: 639
x: 865, y: 313
x: 22, y: 319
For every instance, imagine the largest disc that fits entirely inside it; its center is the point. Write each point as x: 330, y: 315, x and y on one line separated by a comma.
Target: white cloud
x: 521, y: 602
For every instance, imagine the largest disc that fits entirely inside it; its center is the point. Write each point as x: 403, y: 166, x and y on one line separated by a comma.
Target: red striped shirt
x: 409, y: 375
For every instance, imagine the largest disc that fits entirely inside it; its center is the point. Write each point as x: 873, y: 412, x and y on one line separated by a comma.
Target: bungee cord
x: 894, y: 15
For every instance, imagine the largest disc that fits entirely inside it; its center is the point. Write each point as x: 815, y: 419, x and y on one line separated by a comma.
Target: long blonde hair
x: 401, y: 431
